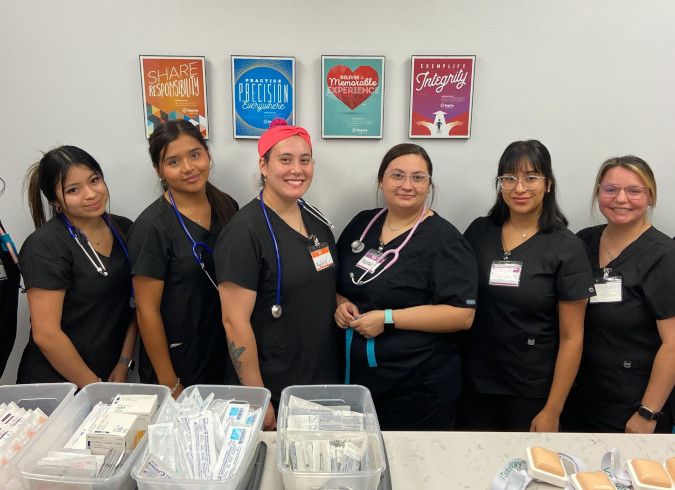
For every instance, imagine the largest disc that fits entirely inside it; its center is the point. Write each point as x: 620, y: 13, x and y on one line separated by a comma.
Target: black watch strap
x: 646, y: 412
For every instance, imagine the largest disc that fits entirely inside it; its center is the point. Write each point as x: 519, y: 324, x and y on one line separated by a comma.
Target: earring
x: 57, y: 207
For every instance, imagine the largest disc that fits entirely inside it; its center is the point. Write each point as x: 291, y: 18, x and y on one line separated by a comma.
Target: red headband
x: 280, y: 130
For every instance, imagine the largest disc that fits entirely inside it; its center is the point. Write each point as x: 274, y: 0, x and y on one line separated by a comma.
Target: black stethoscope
x: 196, y: 253
x: 94, y: 258
x: 276, y: 307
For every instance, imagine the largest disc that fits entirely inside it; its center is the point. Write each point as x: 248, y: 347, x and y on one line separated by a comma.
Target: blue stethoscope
x: 196, y: 246
x: 93, y: 257
x: 276, y: 307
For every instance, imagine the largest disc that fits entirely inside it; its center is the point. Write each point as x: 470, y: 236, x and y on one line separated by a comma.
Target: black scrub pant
x: 424, y: 399
x: 9, y: 299
x: 488, y: 412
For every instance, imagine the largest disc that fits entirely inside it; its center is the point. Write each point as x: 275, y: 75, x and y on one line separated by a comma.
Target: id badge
x: 370, y: 261
x: 3, y: 272
x: 321, y: 256
x: 607, y: 290
x: 505, y: 273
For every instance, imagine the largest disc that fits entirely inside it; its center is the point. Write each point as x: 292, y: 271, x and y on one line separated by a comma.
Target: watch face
x: 645, y: 413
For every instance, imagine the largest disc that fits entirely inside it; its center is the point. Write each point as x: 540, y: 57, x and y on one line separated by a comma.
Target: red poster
x: 174, y: 88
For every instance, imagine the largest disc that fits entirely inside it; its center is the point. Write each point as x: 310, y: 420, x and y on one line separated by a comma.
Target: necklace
x: 633, y: 237
x: 526, y: 233
x: 404, y: 225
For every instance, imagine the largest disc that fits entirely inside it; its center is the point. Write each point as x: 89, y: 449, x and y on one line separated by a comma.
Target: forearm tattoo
x: 235, y: 354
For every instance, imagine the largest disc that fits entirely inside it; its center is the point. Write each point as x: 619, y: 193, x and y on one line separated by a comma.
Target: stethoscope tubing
x: 394, y: 251
x: 195, y: 244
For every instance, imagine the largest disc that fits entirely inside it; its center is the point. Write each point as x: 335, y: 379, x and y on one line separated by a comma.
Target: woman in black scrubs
x: 9, y: 292
x: 398, y: 313
x: 171, y: 246
x: 77, y: 273
x: 523, y: 351
x: 628, y: 367
x: 276, y: 275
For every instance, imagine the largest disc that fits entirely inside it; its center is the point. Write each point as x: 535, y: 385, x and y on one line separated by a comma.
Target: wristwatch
x: 389, y: 320
x: 646, y: 412
x: 129, y: 363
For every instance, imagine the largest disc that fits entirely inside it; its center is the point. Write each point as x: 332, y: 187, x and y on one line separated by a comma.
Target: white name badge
x: 607, y: 290
x: 3, y: 273
x: 321, y: 256
x: 505, y: 273
x: 370, y: 261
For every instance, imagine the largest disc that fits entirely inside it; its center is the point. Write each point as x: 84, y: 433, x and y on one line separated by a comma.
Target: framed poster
x: 263, y: 88
x: 352, y: 100
x: 441, y: 96
x: 174, y: 87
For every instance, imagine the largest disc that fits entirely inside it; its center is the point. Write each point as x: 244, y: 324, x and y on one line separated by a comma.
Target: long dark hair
x: 43, y: 177
x: 169, y: 131
x: 516, y: 156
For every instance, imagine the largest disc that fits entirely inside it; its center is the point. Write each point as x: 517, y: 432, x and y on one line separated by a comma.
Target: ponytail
x: 32, y: 183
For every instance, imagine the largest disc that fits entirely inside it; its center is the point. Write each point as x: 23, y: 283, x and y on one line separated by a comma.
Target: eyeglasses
x: 529, y: 182
x: 632, y: 191
x: 418, y: 178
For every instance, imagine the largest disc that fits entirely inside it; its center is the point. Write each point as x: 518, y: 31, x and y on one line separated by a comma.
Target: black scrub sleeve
x: 574, y: 280
x: 45, y: 263
x: 236, y: 259
x: 149, y: 251
x: 454, y: 272
x: 658, y: 286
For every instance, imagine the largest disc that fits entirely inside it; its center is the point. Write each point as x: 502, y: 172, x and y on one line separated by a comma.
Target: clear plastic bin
x: 359, y: 400
x: 254, y: 396
x: 48, y: 397
x: 55, y: 436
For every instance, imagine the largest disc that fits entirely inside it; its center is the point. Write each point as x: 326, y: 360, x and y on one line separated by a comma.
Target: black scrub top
x: 190, y: 306
x: 96, y: 311
x: 303, y: 345
x: 9, y: 299
x: 436, y: 266
x: 513, y: 344
x: 621, y: 339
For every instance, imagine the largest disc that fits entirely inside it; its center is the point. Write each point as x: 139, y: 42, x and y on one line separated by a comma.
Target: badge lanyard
x: 319, y: 252
x: 94, y: 258
x: 196, y: 246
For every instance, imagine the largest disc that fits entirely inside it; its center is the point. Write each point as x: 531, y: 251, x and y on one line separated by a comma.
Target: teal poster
x: 352, y: 101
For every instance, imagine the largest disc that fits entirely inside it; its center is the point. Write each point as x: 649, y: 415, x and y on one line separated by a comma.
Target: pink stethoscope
x: 358, y: 246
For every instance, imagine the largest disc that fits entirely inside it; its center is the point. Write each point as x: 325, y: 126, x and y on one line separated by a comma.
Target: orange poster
x: 174, y: 88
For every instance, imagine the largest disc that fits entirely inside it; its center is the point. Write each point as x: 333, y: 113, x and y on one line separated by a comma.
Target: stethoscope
x: 94, y: 258
x: 276, y: 307
x: 358, y: 246
x: 196, y: 254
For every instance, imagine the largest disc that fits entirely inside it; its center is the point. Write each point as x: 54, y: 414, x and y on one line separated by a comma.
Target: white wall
x: 589, y: 79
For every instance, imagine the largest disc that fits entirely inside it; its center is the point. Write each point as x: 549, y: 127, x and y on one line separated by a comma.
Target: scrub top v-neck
x: 190, y: 306
x: 96, y: 311
x: 513, y: 344
x: 621, y: 338
x: 303, y: 345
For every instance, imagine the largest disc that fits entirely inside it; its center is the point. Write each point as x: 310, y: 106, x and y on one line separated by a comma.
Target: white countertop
x: 470, y: 460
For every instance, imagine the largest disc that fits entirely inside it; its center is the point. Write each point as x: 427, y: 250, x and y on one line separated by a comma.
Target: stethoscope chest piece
x: 276, y: 311
x: 357, y: 246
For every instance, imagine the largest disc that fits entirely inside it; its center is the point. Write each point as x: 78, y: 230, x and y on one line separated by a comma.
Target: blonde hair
x: 632, y: 163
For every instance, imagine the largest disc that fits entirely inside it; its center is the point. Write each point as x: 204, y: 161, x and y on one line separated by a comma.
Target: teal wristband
x: 388, y: 320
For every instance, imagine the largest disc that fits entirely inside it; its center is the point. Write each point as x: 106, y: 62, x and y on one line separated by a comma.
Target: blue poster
x: 263, y: 88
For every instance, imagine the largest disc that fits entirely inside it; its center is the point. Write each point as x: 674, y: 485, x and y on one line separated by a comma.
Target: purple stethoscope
x: 358, y: 246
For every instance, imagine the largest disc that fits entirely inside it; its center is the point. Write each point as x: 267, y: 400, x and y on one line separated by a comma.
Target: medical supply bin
x: 358, y: 399
x: 48, y: 397
x: 55, y: 436
x: 256, y: 397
